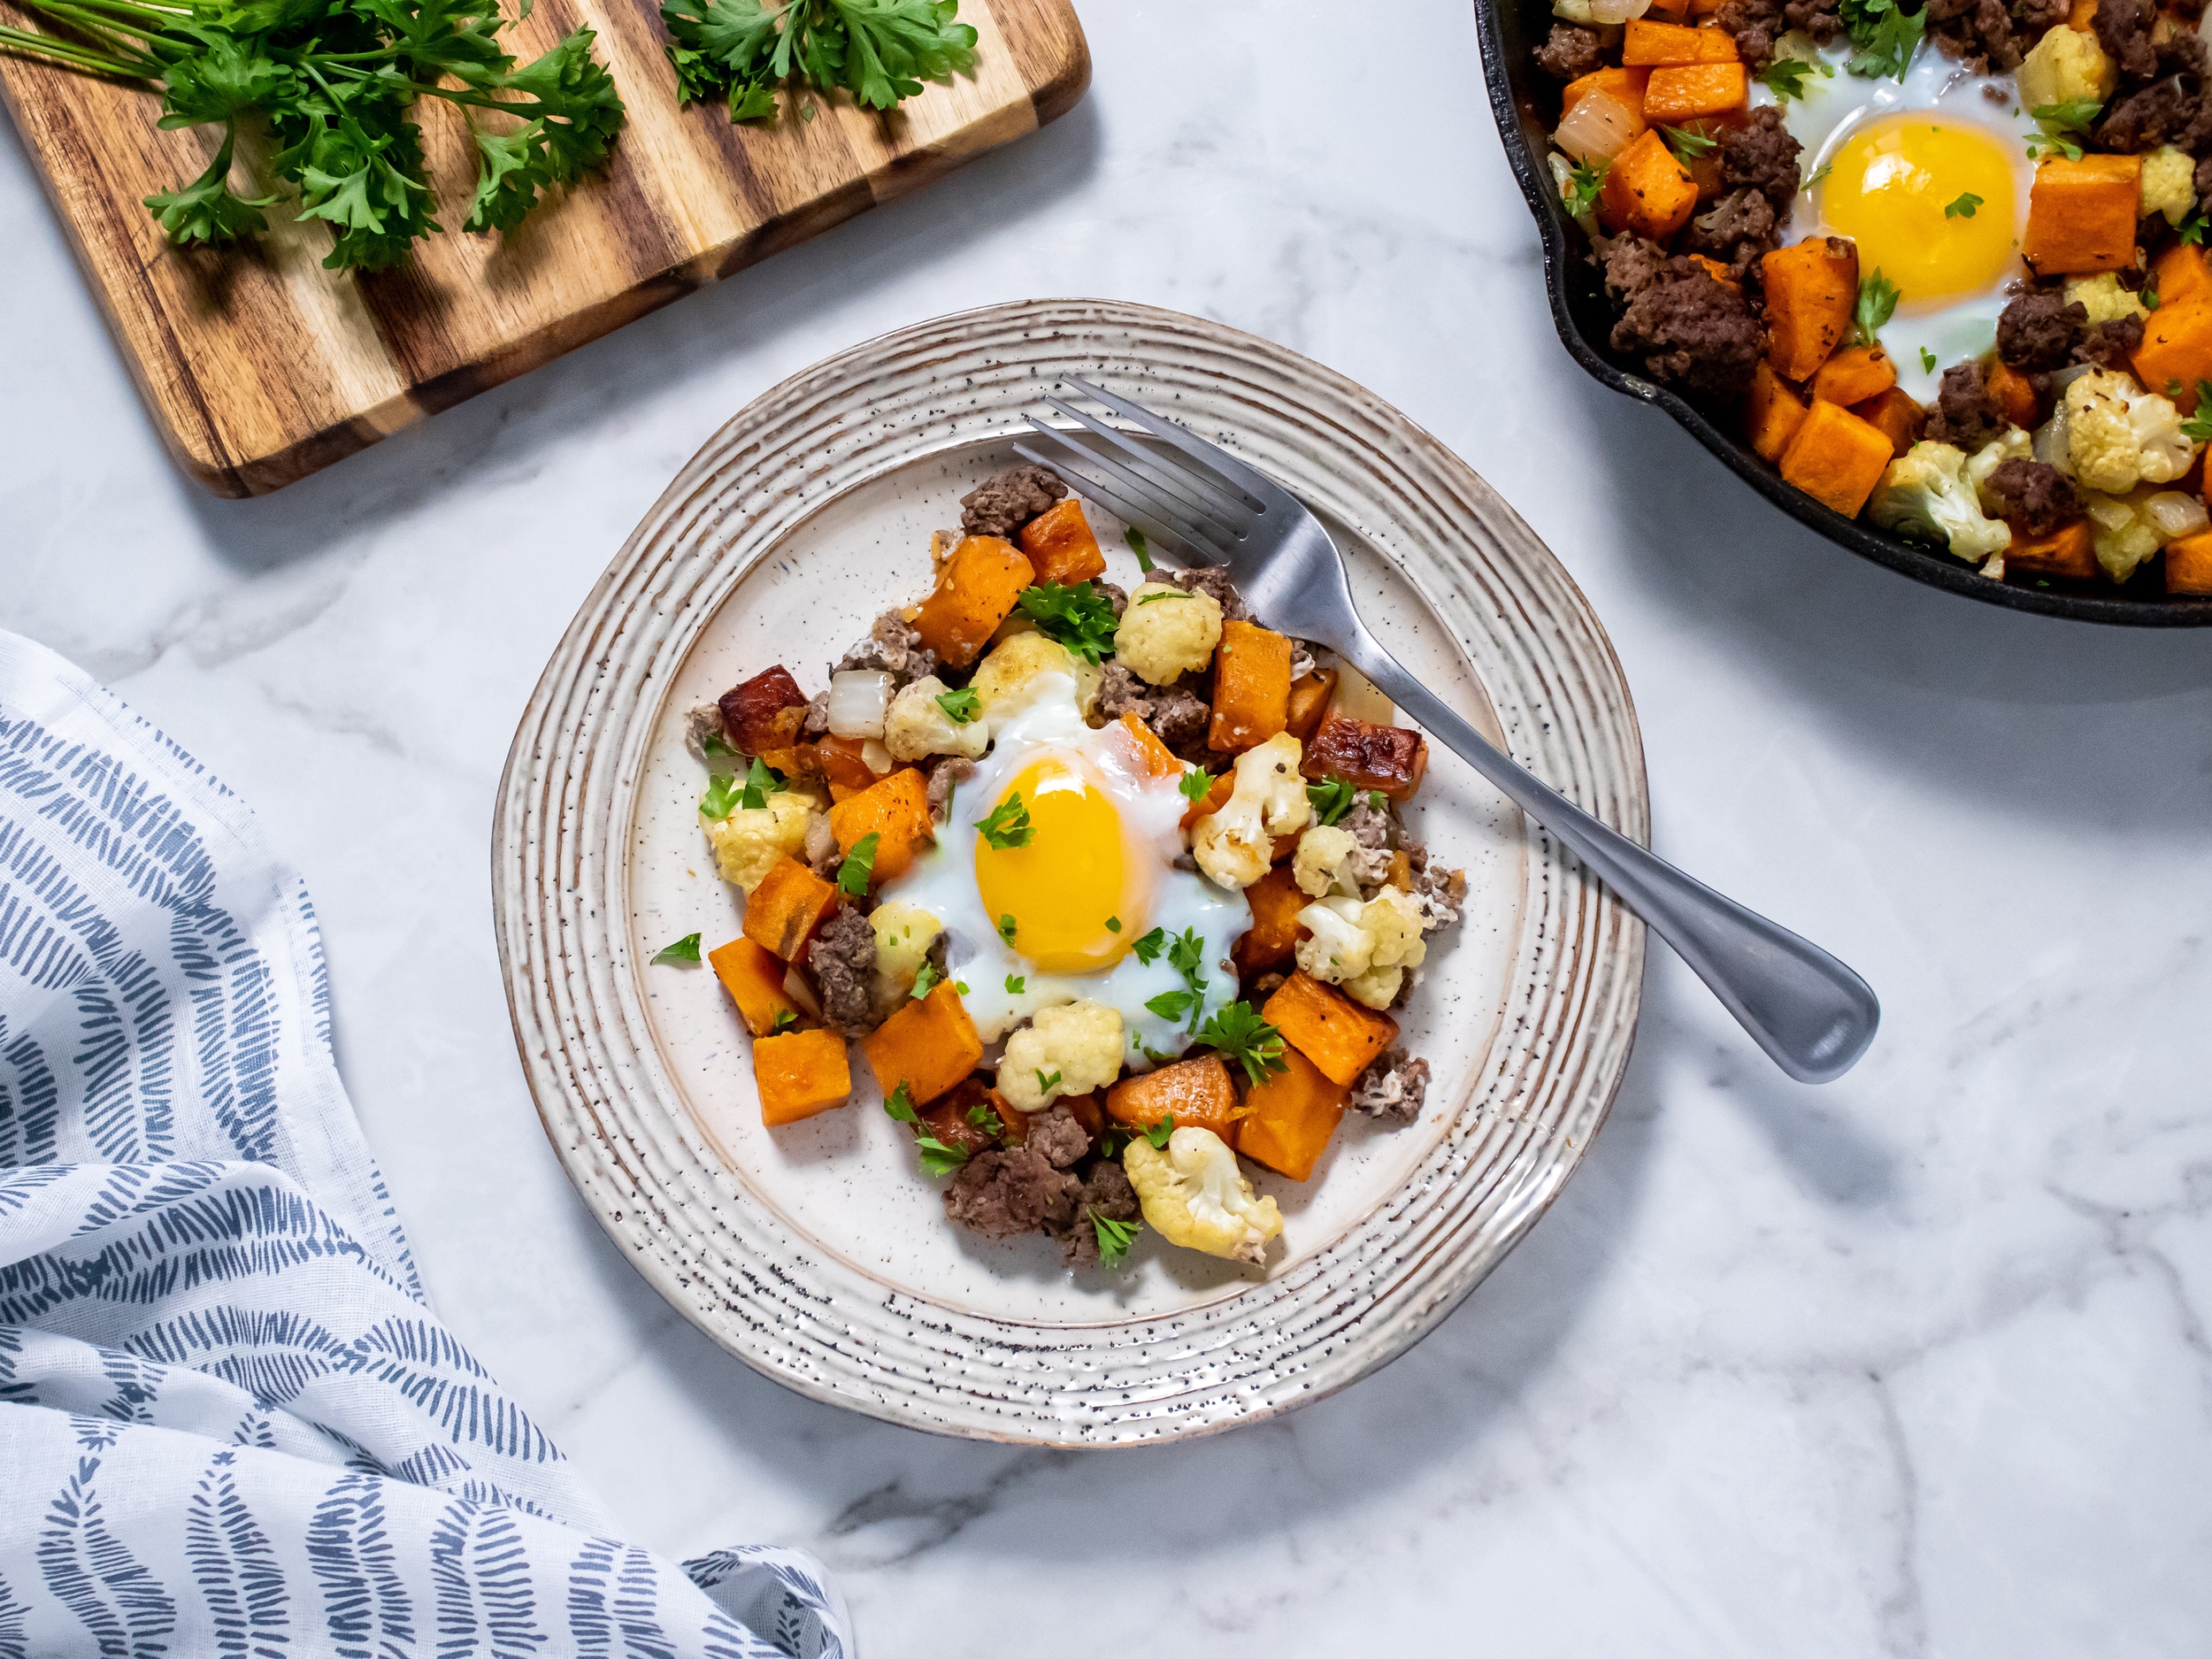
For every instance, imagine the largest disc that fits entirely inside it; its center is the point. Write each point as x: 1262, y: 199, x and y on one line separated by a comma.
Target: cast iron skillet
x: 1526, y: 104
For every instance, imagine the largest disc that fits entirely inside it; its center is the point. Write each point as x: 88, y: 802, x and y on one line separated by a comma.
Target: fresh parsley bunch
x: 335, y: 81
x: 1885, y: 34
x: 879, y: 50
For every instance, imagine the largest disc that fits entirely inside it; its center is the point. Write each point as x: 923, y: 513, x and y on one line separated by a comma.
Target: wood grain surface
x: 260, y: 366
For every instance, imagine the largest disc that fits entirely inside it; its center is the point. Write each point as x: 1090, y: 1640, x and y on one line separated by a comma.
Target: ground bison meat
x: 1740, y: 218
x: 1001, y: 1194
x: 1633, y: 263
x: 1117, y: 597
x: 2036, y: 497
x: 1177, y: 717
x: 1570, y: 51
x: 2036, y: 332
x: 1393, y: 1088
x: 1760, y: 156
x: 1692, y: 333
x: 1004, y: 501
x: 1985, y: 30
x: 2123, y: 29
x: 1121, y: 692
x: 2110, y: 344
x: 947, y: 774
x: 892, y: 647
x: 1371, y: 826
x: 1214, y: 579
x: 2203, y: 180
x: 1758, y: 24
x: 1965, y: 413
x: 1105, y: 1193
x: 2163, y: 113
x: 1058, y: 1137
x: 843, y: 959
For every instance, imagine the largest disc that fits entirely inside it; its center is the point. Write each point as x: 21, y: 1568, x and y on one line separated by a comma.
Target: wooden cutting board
x: 261, y: 366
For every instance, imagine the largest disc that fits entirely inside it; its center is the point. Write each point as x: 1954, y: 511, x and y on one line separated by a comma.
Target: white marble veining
x: 1916, y: 1363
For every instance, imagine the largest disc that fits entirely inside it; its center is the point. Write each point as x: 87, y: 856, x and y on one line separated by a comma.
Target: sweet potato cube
x: 975, y: 592
x: 1276, y: 901
x: 1330, y: 1029
x: 1060, y: 546
x: 753, y: 976
x: 1771, y: 414
x: 1146, y: 756
x: 1811, y: 288
x: 800, y: 1073
x: 1288, y: 1120
x: 1895, y: 413
x: 1196, y: 1093
x: 1624, y: 86
x: 1309, y: 696
x: 1836, y: 457
x: 1714, y: 268
x: 2016, y: 395
x: 1391, y: 758
x: 1647, y: 43
x: 895, y: 810
x: 1646, y: 191
x: 948, y: 1119
x: 750, y: 708
x: 1854, y: 374
x: 2177, y: 348
x: 2082, y: 14
x: 2181, y: 273
x: 2082, y: 214
x: 1216, y: 797
x: 787, y: 907
x: 2189, y: 564
x: 1251, y: 687
x: 1672, y: 10
x: 2069, y: 553
x: 929, y: 1044
x: 1684, y: 92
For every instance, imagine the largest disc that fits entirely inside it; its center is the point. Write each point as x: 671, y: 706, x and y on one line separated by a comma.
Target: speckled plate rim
x: 559, y: 840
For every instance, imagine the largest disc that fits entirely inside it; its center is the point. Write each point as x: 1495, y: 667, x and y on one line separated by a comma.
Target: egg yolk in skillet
x: 1077, y: 900
x: 1889, y: 186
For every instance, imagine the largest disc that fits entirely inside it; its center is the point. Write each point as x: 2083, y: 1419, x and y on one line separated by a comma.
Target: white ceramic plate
x: 820, y: 1254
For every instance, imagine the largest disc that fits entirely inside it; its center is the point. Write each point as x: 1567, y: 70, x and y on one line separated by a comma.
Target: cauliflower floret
x: 1166, y: 632
x: 1015, y: 675
x: 2129, y: 528
x: 1338, y: 945
x: 917, y: 725
x: 1070, y: 1050
x: 748, y: 842
x: 1235, y: 845
x: 1193, y: 1194
x: 1926, y: 492
x: 2065, y: 63
x: 2118, y: 435
x: 905, y: 933
x: 1366, y: 947
x: 2170, y: 183
x: 2103, y: 298
x: 1324, y: 862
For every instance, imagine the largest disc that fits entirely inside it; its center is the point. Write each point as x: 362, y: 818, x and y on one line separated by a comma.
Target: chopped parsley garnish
x: 786, y: 1018
x: 1885, y: 34
x: 1008, y: 824
x: 852, y: 875
x: 1963, y: 208
x: 1078, y: 617
x: 1150, y: 946
x: 761, y: 782
x: 1242, y: 1036
x: 1195, y: 783
x: 1331, y: 799
x: 725, y: 791
x: 937, y: 1157
x: 1927, y: 361
x: 2149, y: 297
x: 1157, y: 1132
x: 1141, y: 547
x: 1689, y: 143
x: 716, y: 747
x: 2192, y: 229
x: 1583, y: 185
x: 1006, y: 928
x: 1877, y: 302
x: 900, y: 1105
x: 685, y: 949
x: 1172, y: 1005
x: 1814, y: 178
x: 1114, y: 1237
x: 984, y: 1118
x: 927, y: 979
x: 1046, y: 1085
x: 960, y: 706
x: 1016, y: 983
x: 1113, y: 924
x: 2197, y: 428
x: 1187, y: 955
x: 2062, y: 123
x: 1173, y: 593
x: 1784, y: 77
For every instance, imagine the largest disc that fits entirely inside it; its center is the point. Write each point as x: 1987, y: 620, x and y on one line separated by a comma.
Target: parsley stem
x: 67, y: 52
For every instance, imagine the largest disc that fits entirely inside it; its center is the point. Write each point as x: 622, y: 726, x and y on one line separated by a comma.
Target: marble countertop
x: 1915, y: 1363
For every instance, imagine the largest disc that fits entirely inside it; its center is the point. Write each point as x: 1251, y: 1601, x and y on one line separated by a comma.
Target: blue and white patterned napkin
x: 229, y: 1421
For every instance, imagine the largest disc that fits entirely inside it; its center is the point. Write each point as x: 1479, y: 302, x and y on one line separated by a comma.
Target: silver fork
x: 1811, y: 1013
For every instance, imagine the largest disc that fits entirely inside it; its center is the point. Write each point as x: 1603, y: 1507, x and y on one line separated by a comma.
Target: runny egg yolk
x: 1887, y: 191
x: 1075, y: 899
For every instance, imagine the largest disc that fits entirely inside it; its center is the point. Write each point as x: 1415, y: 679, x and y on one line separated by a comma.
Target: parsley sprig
x: 685, y: 949
x: 1187, y: 955
x: 1243, y: 1036
x: 879, y: 50
x: 1195, y: 783
x: 962, y: 706
x: 1331, y: 799
x: 1583, y: 185
x: 859, y: 864
x: 1964, y: 207
x: 1784, y: 77
x: 1114, y: 1237
x: 1078, y: 617
x: 1886, y: 34
x: 2197, y: 428
x: 1689, y: 143
x: 1877, y: 303
x: 1007, y: 825
x: 937, y: 1157
x: 727, y: 793
x: 2062, y: 123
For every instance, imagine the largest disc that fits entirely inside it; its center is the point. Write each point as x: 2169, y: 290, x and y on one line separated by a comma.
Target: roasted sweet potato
x: 2188, y: 563
x: 787, y: 907
x: 975, y: 592
x: 1895, y: 413
x: 1197, y: 1092
x: 1811, y: 288
x: 1647, y: 43
x: 1336, y: 1034
x: 753, y: 976
x: 1714, y: 268
x: 1391, y: 758
x: 1625, y: 85
x: 1060, y: 546
x: 838, y: 761
x: 750, y: 708
x: 2177, y: 348
x: 1772, y: 413
x: 1251, y: 687
x: 1854, y: 374
x: 950, y: 1122
x: 894, y: 810
x: 1646, y: 191
x: 2181, y: 274
x: 2081, y: 15
x: 1216, y: 797
x: 1836, y: 457
x: 1146, y: 756
x: 1309, y: 696
x: 1680, y: 93
x: 1288, y: 1120
x: 2069, y: 553
x: 1275, y: 901
x: 2082, y: 214
x: 2016, y: 395
x: 928, y: 1044
x: 800, y: 1073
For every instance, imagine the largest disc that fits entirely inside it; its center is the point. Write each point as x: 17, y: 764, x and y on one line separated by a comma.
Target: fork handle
x: 1807, y: 1010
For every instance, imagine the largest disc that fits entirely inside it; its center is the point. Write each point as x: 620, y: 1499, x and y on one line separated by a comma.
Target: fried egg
x: 1068, y: 913
x: 1897, y: 156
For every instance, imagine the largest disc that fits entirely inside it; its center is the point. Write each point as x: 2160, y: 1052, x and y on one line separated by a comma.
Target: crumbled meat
x: 891, y: 646
x: 1439, y: 893
x: 1265, y: 987
x: 1181, y: 719
x: 1007, y: 500
x: 1569, y: 52
x: 1000, y: 1193
x: 1214, y: 579
x: 1106, y: 1192
x: 1760, y: 156
x: 1117, y: 597
x: 1758, y: 24
x: 2123, y: 29
x: 1985, y: 33
x: 946, y: 774
x: 704, y: 723
x: 1740, y: 218
x: 1121, y: 692
x: 1371, y: 826
x: 2110, y: 344
x: 1965, y: 413
x: 1058, y: 1137
x: 2165, y: 113
x: 2203, y: 180
x: 1692, y: 333
x: 823, y: 853
x: 843, y: 957
x: 1633, y: 263
x: 1392, y: 1087
x: 2037, y: 498
x: 2037, y: 330
x: 2180, y: 52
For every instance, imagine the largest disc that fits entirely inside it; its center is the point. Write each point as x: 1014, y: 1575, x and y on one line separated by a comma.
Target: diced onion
x: 2052, y: 446
x: 1603, y: 13
x: 1598, y: 128
x: 2174, y: 514
x: 859, y: 700
x: 877, y: 758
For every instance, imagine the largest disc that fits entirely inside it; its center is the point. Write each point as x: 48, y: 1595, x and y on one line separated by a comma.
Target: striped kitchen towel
x: 229, y: 1421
